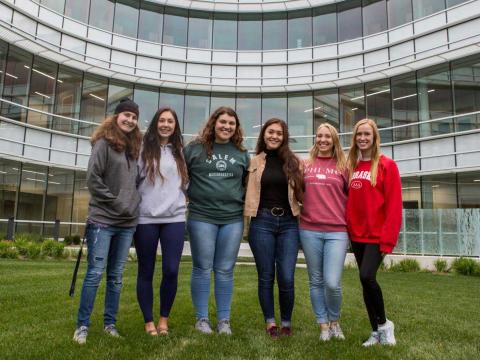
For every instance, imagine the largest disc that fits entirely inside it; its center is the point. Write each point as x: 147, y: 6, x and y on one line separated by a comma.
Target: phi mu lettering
x: 225, y: 157
x: 361, y: 175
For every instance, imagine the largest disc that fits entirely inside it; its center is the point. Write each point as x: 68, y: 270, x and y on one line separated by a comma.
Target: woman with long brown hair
x: 217, y: 165
x: 274, y: 190
x: 374, y: 217
x: 112, y: 212
x: 162, y: 186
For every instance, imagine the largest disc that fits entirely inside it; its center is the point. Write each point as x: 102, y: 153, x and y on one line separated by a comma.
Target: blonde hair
x: 337, y: 151
x: 353, y: 155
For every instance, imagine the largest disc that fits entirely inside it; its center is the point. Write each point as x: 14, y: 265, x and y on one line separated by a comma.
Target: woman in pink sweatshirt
x: 374, y: 216
x: 323, y: 228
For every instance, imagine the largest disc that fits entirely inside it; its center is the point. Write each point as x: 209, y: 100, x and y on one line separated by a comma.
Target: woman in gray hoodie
x: 112, y: 212
x: 162, y: 186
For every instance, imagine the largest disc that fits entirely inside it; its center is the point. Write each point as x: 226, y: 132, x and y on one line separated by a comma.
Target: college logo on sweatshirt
x: 221, y: 162
x: 357, y: 176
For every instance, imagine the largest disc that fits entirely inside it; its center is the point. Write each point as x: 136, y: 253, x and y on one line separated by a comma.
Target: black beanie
x: 126, y: 105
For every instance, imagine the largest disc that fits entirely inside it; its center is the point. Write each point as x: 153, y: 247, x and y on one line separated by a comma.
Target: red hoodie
x: 374, y: 214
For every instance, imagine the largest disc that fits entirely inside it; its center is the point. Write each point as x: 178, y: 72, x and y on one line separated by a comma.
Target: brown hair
x: 207, y: 134
x: 337, y: 150
x: 116, y: 138
x: 352, y: 159
x: 291, y: 163
x: 151, y: 152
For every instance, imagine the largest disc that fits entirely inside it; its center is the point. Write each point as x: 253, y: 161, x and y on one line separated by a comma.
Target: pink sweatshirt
x: 325, y: 197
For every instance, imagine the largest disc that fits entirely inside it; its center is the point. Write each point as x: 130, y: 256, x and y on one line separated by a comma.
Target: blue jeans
x: 274, y: 243
x: 214, y: 247
x: 325, y: 256
x: 108, y: 247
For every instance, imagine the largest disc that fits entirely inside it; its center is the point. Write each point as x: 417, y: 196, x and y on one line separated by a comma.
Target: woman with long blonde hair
x: 323, y: 228
x: 374, y: 217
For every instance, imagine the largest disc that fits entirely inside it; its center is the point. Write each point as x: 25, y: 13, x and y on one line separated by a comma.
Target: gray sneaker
x: 386, y: 333
x: 80, y: 335
x: 112, y: 331
x: 336, y: 332
x: 374, y: 339
x: 223, y: 327
x: 203, y: 325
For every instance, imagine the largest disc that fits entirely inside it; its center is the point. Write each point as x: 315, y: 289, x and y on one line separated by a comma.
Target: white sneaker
x: 374, y: 339
x: 80, y: 335
x: 325, y: 334
x: 203, y: 325
x: 336, y: 331
x: 386, y: 333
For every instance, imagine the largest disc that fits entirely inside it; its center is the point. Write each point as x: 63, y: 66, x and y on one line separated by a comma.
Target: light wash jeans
x: 325, y: 256
x: 108, y: 247
x: 214, y: 247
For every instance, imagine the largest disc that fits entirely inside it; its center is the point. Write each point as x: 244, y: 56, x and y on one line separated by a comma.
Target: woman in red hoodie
x: 374, y: 217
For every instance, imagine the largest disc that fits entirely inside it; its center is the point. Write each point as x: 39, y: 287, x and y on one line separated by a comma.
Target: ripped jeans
x: 108, y: 247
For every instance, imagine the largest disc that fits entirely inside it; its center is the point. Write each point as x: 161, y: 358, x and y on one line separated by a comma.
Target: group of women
x: 142, y: 188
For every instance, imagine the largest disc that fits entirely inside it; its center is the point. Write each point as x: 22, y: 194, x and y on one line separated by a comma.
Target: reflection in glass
x: 81, y: 197
x: 274, y: 106
x: 126, y: 18
x: 405, y: 106
x: 197, y: 107
x: 225, y: 31
x: 3, y: 61
x: 249, y: 32
x: 300, y: 121
x: 174, y: 99
x: 68, y: 98
x: 435, y: 100
x: 200, y: 30
x: 16, y: 81
x: 101, y: 14
x: 147, y: 100
x: 468, y: 194
x: 352, y: 109
x: 94, y: 100
x: 399, y: 12
x: 77, y: 9
x: 349, y: 20
x: 274, y: 31
x: 439, y: 191
x: 175, y: 23
x: 374, y: 16
x: 248, y: 110
x: 9, y: 181
x: 299, y: 29
x: 379, y: 107
x: 324, y: 25
x: 150, y: 24
x: 59, y: 199
x: 325, y: 108
x: 423, y: 8
x: 42, y: 90
x: 117, y: 91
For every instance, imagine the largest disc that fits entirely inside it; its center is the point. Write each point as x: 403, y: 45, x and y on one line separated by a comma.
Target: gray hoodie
x: 111, y: 180
x: 163, y: 201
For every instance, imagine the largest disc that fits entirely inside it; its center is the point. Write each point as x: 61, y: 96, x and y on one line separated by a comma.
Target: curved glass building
x: 411, y: 65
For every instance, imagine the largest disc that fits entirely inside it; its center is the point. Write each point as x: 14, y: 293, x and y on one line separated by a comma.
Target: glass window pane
x: 16, y: 80
x: 200, y: 30
x: 30, y: 198
x: 225, y: 32
x: 58, y: 204
x: 126, y: 18
x: 175, y: 23
x: 379, y: 107
x: 9, y: 181
x: 439, y: 191
x: 274, y: 106
x: 81, y: 197
x: 399, y: 12
x: 423, y: 8
x: 300, y: 121
x: 325, y: 108
x: 374, y: 16
x: 77, y: 9
x: 197, y: 107
x: 324, y: 25
x: 299, y: 29
x: 435, y: 100
x: 117, y: 91
x: 352, y: 109
x: 174, y: 99
x: 150, y: 25
x: 405, y: 106
x: 68, y: 99
x: 411, y: 194
x: 249, y: 108
x: 466, y: 87
x: 468, y: 194
x: 147, y: 100
x: 3, y: 61
x: 274, y: 31
x: 42, y: 90
x: 101, y: 14
x: 217, y: 100
x: 249, y: 32
x: 56, y: 5
x: 94, y: 100
x: 455, y: 2
x: 349, y: 20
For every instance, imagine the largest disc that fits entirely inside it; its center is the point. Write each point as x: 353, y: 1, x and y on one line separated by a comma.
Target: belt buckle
x: 277, y: 211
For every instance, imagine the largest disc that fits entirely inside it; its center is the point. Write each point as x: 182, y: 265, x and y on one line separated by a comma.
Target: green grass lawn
x: 436, y: 317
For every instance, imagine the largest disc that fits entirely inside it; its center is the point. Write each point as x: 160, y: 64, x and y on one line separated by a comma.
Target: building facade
x: 411, y: 65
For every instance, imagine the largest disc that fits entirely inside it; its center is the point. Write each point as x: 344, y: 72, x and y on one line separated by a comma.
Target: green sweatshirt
x: 216, y: 191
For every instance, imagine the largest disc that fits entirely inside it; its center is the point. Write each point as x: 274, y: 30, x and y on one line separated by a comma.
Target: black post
x: 10, y: 228
x: 56, y: 230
